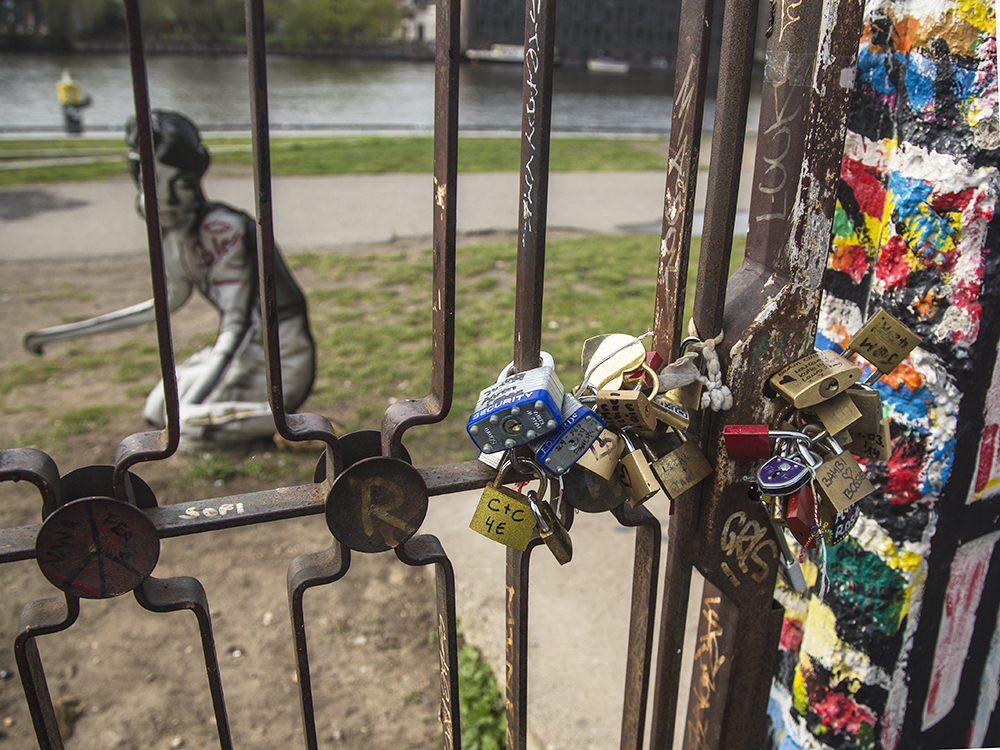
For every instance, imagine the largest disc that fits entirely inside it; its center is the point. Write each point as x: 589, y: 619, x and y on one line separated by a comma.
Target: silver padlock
x: 563, y: 447
x: 519, y: 409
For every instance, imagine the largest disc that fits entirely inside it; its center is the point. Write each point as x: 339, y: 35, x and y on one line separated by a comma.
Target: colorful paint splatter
x: 914, y: 233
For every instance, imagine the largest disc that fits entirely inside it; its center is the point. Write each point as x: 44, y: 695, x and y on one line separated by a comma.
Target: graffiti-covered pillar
x: 904, y: 649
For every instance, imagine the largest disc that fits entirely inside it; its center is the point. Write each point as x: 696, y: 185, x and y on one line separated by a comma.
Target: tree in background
x: 58, y: 25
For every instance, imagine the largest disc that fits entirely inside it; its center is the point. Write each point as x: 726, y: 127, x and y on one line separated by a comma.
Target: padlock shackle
x: 543, y: 526
x: 508, y: 463
x: 594, y: 365
x: 547, y: 360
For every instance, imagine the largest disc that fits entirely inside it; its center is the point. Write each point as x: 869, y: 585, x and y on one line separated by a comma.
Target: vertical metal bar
x: 642, y: 615
x: 536, y: 122
x: 732, y: 100
x: 290, y: 426
x: 149, y: 446
x: 434, y: 407
x: 536, y: 125
x: 770, y: 315
x: 739, y: 28
x: 304, y: 572
x: 41, y: 617
x: 426, y: 549
x: 687, y: 114
x: 711, y: 664
x: 516, y: 646
x: 185, y: 592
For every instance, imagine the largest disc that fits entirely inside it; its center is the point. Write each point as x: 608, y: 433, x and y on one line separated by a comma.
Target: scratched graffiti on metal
x: 708, y: 661
x: 743, y: 540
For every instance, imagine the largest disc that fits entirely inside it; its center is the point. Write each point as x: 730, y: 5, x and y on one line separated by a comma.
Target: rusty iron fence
x: 767, y: 312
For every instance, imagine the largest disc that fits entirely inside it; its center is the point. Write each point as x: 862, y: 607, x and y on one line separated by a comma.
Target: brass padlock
x: 671, y: 414
x: 814, y: 378
x: 876, y: 445
x: 884, y: 341
x: 869, y: 403
x: 606, y: 358
x: 840, y: 480
x: 682, y: 468
x: 602, y: 456
x: 837, y: 413
x: 503, y: 515
x: 636, y: 476
x: 551, y: 530
x: 621, y: 410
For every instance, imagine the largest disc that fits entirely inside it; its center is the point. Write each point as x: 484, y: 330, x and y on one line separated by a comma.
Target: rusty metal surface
x: 642, y: 616
x: 690, y: 79
x: 375, y: 500
x: 435, y: 406
x: 769, y: 319
x: 149, y: 446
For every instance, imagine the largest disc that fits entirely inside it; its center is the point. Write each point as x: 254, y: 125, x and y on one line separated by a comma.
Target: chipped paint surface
x: 919, y: 188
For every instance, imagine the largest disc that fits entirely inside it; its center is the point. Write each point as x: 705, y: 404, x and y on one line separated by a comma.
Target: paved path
x: 98, y: 218
x: 579, y: 613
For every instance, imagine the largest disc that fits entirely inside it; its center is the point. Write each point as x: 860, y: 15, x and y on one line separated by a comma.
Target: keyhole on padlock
x: 512, y: 426
x: 830, y: 386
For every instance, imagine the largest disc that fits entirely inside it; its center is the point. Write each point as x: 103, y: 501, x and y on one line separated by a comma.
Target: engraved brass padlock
x: 884, y: 341
x: 602, y: 456
x: 504, y: 515
x: 671, y: 414
x: 837, y: 413
x: 637, y: 477
x: 876, y: 445
x: 621, y: 410
x: 840, y: 480
x: 814, y: 378
x: 551, y: 530
x: 682, y: 468
x: 869, y: 403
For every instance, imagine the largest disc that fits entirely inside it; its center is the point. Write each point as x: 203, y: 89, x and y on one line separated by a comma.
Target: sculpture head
x: 181, y: 160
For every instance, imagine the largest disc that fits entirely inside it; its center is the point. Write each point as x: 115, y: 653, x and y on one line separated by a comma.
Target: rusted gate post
x: 769, y: 319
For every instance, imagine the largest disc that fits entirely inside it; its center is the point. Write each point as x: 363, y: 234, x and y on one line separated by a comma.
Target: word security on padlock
x: 518, y: 410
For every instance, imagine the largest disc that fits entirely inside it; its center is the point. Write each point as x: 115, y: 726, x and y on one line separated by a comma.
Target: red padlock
x: 747, y: 442
x: 800, y: 517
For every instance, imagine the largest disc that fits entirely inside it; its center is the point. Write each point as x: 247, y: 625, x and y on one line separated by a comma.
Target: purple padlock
x: 781, y: 475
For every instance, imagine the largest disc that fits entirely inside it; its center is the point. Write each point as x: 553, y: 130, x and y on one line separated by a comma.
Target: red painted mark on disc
x: 97, y: 548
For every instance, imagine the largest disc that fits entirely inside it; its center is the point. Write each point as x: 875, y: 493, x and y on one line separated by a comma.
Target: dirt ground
x: 122, y: 677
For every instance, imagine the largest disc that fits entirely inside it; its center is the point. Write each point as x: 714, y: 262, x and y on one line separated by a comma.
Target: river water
x: 331, y: 94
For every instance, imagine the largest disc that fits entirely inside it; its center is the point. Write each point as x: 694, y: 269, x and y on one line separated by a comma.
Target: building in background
x: 609, y: 34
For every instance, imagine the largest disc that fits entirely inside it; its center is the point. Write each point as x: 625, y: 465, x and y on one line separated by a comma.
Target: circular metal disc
x: 376, y: 504
x: 590, y: 493
x: 356, y: 446
x: 97, y: 547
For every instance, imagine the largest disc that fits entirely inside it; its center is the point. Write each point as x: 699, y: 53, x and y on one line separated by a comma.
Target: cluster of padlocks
x: 593, y: 443
x: 807, y: 472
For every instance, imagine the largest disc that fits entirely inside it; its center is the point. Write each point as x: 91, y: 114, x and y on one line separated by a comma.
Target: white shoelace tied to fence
x: 684, y: 371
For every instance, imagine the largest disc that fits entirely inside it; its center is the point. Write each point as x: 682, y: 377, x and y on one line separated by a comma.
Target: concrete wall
x: 904, y: 649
